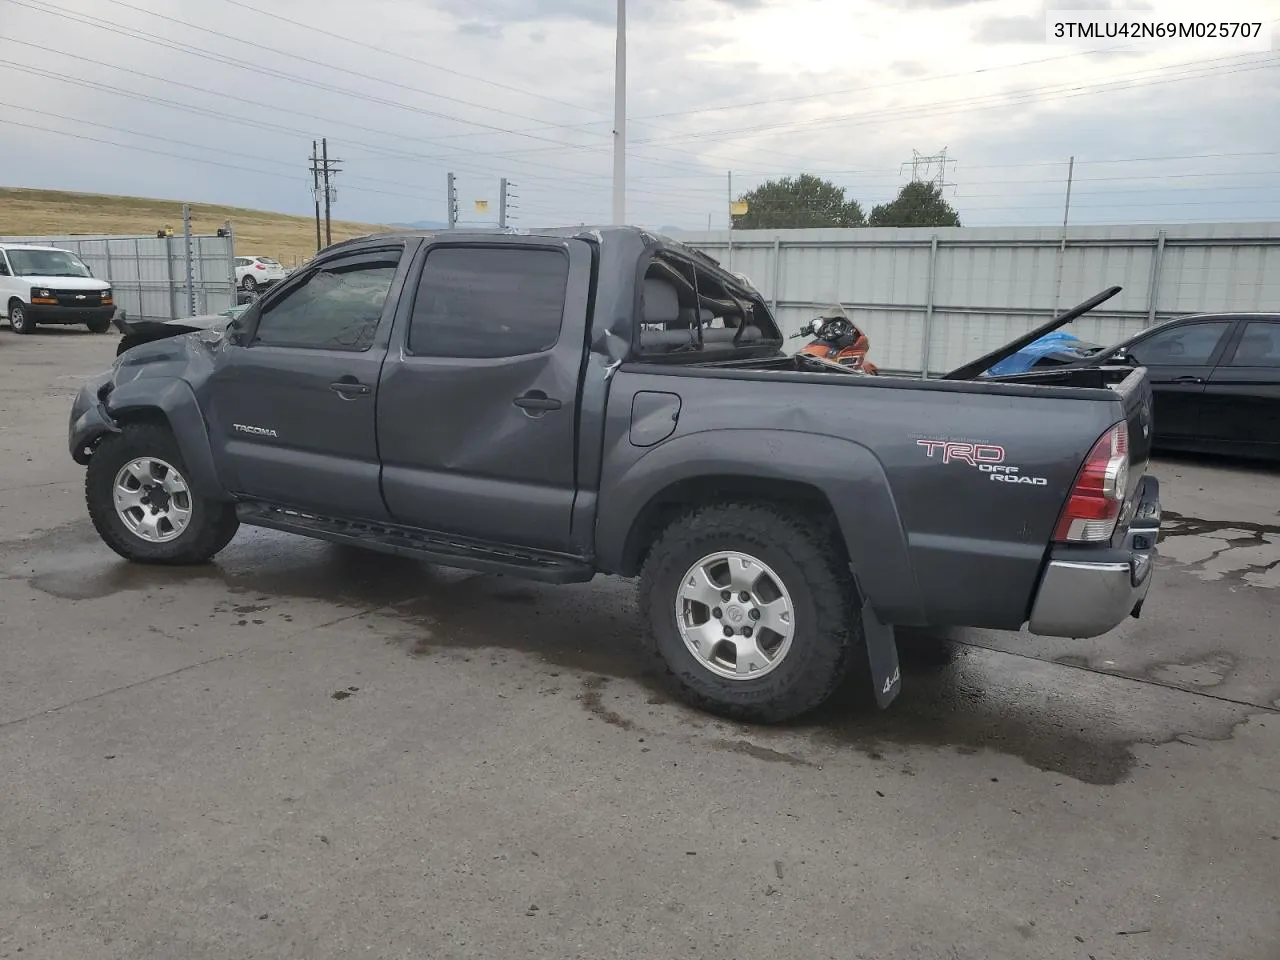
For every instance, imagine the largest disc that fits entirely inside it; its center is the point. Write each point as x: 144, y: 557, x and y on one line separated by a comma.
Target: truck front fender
x: 172, y: 399
x: 638, y: 482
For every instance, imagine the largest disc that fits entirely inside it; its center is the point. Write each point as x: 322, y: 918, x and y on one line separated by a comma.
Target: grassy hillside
x: 55, y: 213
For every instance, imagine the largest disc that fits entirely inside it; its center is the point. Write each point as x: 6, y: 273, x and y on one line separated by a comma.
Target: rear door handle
x: 1188, y: 380
x: 347, y: 389
x: 536, y: 400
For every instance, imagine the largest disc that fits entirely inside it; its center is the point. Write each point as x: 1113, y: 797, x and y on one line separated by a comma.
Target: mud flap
x: 882, y: 656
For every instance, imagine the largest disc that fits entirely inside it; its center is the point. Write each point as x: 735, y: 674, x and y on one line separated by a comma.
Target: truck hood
x: 66, y: 283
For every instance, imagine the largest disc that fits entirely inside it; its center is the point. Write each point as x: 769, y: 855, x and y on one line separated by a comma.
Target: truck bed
x: 933, y: 537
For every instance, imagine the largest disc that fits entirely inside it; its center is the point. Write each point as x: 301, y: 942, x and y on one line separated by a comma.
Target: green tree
x: 918, y: 204
x: 793, y: 203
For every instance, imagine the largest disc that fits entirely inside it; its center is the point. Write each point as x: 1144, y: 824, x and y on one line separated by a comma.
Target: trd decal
x: 970, y: 453
x: 988, y: 458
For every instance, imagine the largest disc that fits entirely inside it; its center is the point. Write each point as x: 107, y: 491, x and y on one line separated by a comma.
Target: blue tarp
x: 1021, y: 361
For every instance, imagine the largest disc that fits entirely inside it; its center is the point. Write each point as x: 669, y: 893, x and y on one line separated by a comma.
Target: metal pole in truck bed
x: 975, y: 367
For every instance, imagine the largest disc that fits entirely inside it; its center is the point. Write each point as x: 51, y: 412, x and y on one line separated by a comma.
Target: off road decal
x: 987, y: 458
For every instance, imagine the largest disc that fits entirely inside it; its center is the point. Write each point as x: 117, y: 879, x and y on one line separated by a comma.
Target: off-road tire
x: 827, y: 642
x: 213, y: 523
x: 99, y: 326
x: 19, y: 319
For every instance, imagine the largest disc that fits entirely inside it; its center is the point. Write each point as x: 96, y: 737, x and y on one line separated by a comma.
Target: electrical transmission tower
x: 504, y: 203
x: 323, y: 167
x: 920, y: 163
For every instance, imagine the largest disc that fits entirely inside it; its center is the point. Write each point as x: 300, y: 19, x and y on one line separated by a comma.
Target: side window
x: 1187, y: 346
x: 4, y: 266
x: 336, y: 307
x: 478, y: 302
x: 241, y: 262
x: 1259, y: 346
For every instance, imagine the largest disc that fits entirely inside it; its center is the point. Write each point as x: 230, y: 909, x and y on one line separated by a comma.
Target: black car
x: 1215, y: 381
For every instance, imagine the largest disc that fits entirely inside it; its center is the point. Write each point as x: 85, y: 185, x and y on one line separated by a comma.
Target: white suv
x: 254, y: 272
x: 51, y: 285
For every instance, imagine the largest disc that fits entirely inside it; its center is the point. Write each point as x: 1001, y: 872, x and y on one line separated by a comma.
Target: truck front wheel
x: 141, y: 503
x: 19, y: 320
x: 752, y: 609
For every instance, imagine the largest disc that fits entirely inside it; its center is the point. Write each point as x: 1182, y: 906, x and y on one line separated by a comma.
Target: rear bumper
x: 43, y: 313
x: 1086, y: 592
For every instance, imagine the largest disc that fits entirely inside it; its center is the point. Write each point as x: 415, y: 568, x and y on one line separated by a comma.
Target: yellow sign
x: 738, y: 208
x: 482, y: 206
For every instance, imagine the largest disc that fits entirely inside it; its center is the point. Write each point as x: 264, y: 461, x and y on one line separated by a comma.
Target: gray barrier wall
x: 148, y: 275
x: 932, y: 298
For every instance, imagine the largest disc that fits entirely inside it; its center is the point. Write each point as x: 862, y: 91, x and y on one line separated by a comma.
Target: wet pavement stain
x: 954, y: 697
x: 758, y: 752
x: 1238, y: 551
x: 592, y: 701
x: 1203, y: 672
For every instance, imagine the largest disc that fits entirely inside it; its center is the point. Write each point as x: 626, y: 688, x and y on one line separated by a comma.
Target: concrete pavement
x: 306, y: 751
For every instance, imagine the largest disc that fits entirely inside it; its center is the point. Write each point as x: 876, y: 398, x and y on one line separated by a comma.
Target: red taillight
x: 260, y: 266
x: 1098, y: 494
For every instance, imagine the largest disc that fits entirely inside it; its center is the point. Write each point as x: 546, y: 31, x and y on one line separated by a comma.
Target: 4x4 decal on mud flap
x: 985, y: 457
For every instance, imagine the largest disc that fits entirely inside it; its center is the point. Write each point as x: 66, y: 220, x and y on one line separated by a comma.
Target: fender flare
x: 174, y: 400
x: 847, y: 474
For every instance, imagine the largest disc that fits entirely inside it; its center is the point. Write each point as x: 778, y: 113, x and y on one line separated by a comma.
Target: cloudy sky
x: 218, y: 101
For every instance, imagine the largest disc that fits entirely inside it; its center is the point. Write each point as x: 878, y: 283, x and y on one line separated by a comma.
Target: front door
x: 1242, y: 398
x: 478, y: 403
x: 292, y: 412
x: 1179, y: 360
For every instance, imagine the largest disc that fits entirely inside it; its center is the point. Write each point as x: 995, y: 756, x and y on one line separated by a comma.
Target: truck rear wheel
x: 753, y: 610
x: 142, y: 505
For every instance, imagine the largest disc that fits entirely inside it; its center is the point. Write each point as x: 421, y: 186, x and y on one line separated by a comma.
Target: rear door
x: 478, y: 402
x: 1179, y: 360
x: 1242, y: 397
x: 292, y: 414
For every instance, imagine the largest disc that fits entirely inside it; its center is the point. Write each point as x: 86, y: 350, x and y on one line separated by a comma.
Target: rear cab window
x: 687, y: 309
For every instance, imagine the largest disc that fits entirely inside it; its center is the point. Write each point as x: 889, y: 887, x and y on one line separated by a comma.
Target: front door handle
x: 1188, y: 380
x: 350, y: 387
x: 536, y: 400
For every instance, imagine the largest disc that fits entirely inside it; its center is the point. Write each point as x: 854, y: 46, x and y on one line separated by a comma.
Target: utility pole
x: 730, y: 219
x: 504, y: 202
x: 1062, y: 248
x: 620, y: 119
x: 191, y: 277
x: 315, y: 188
x: 328, y: 190
x: 453, y: 203
x: 322, y: 171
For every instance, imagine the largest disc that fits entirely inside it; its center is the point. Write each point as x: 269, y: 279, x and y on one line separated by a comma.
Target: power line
x: 329, y: 66
x: 245, y: 119
x: 271, y: 72
x: 1036, y: 93
x: 186, y: 158
x: 181, y: 143
x: 257, y: 11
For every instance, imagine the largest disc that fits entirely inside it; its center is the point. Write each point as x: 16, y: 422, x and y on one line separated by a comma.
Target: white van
x: 50, y: 285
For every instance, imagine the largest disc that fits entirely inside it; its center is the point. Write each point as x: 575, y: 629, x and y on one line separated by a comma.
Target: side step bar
x: 436, y: 548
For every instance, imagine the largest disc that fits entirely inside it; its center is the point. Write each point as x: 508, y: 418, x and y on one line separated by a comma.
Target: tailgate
x: 1135, y: 395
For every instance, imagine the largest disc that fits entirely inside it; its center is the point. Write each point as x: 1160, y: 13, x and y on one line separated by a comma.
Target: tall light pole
x: 620, y: 119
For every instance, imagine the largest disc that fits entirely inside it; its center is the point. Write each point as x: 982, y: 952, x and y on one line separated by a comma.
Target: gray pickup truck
x: 566, y: 403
